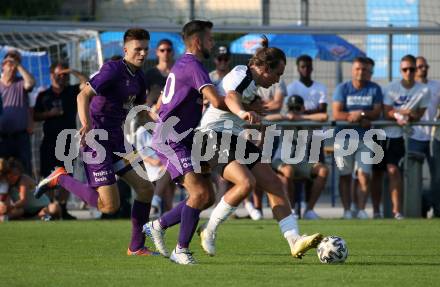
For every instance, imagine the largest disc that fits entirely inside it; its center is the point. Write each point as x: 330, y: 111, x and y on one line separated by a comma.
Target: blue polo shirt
x: 354, y: 99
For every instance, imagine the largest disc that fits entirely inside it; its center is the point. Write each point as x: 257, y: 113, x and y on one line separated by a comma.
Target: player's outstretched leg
x: 60, y: 177
x: 269, y: 182
x: 243, y: 183
x: 49, y: 182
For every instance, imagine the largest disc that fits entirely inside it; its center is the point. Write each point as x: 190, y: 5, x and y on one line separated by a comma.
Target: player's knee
x: 286, y: 171
x: 393, y: 171
x: 144, y: 193
x: 3, y: 208
x: 248, y: 185
x: 54, y: 209
x: 323, y: 171
x: 210, y: 200
x: 110, y: 208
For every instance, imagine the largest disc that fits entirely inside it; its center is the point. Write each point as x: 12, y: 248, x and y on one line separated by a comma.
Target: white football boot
x: 157, y: 235
x: 182, y: 256
x: 207, y: 240
x: 302, y: 244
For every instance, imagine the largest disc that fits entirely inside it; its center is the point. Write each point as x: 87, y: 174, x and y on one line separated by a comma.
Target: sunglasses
x: 410, y: 69
x: 222, y: 59
x: 423, y: 66
x: 167, y: 50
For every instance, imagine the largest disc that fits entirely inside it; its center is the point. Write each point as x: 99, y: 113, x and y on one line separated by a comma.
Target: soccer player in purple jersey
x: 104, y: 104
x: 183, y: 94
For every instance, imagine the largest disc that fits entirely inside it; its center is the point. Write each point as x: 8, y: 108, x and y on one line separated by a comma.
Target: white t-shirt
x: 267, y: 94
x: 398, y: 97
x: 313, y: 96
x: 214, y: 77
x: 239, y: 79
x: 143, y: 146
x: 423, y: 133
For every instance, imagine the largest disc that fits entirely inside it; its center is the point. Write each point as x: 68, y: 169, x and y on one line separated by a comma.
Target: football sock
x: 220, y: 213
x: 139, y: 216
x: 171, y: 217
x: 83, y: 191
x: 188, y: 225
x: 289, y: 227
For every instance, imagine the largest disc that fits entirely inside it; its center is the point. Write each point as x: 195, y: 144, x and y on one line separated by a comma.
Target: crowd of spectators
x: 359, y: 100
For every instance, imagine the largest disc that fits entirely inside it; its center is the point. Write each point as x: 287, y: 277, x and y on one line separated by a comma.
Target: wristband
x: 398, y: 116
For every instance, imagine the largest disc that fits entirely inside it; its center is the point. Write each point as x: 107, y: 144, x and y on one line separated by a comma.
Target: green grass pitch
x: 92, y: 253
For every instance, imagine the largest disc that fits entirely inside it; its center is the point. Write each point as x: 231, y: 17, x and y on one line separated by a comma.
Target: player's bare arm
x: 233, y: 101
x: 83, y: 101
x: 210, y: 93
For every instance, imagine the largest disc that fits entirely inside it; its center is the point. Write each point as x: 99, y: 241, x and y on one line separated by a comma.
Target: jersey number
x: 168, y: 92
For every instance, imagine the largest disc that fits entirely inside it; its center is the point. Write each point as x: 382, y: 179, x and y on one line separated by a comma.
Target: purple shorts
x: 176, y: 159
x: 103, y: 173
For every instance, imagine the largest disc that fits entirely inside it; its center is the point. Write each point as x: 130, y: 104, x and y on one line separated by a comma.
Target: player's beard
x: 206, y: 53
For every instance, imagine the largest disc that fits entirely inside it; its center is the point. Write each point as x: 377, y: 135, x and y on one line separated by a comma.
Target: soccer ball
x: 332, y: 249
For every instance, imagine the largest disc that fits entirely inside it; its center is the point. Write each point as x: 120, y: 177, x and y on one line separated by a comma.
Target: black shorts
x: 382, y: 165
x: 224, y: 155
x: 394, y: 150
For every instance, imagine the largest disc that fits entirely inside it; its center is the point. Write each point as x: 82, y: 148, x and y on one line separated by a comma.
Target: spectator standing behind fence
x: 356, y: 101
x: 57, y: 108
x: 404, y: 100
x: 378, y: 169
x: 156, y: 77
x: 222, y: 63
x: 421, y: 138
x: 16, y: 123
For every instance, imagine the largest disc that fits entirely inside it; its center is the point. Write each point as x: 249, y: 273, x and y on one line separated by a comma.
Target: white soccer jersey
x: 423, y: 133
x: 398, y: 97
x: 239, y: 79
x: 313, y: 96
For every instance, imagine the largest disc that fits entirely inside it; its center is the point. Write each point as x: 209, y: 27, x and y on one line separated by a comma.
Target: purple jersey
x: 117, y: 88
x: 182, y: 96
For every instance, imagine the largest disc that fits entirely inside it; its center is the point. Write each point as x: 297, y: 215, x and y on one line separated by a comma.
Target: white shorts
x: 350, y: 164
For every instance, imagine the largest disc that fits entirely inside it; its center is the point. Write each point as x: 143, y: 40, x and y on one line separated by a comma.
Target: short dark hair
x: 136, y: 34
x: 164, y: 41
x: 304, y: 58
x: 14, y: 54
x: 116, y: 57
x: 195, y: 27
x: 409, y: 58
x: 362, y: 60
x: 14, y: 165
x: 421, y: 58
x: 370, y: 61
x: 56, y: 64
